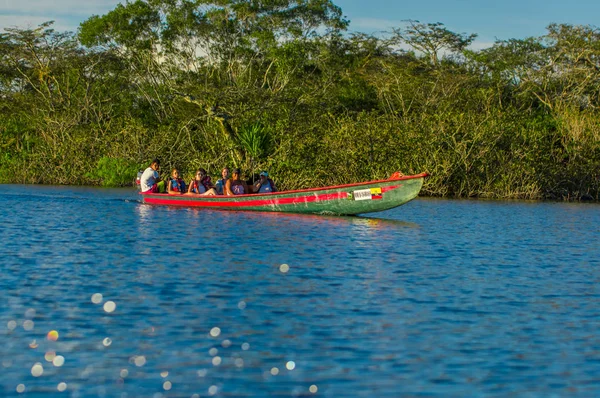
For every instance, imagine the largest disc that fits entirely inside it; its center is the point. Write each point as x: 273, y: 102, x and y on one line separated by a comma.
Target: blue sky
x: 490, y: 20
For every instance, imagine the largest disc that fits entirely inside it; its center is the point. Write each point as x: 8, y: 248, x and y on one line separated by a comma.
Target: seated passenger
x: 235, y: 186
x: 201, y: 184
x: 150, y: 178
x: 265, y: 184
x: 220, y: 185
x: 176, y: 185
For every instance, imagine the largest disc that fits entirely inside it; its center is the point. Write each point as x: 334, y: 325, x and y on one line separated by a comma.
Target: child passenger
x: 221, y: 182
x: 176, y: 185
x: 201, y: 184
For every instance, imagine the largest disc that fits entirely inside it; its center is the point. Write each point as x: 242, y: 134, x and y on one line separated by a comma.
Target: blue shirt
x: 220, y: 186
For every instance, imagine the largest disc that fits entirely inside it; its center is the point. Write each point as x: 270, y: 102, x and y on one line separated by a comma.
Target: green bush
x: 111, y: 172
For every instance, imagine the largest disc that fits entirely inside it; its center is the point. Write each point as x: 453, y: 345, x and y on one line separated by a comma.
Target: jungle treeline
x: 284, y: 86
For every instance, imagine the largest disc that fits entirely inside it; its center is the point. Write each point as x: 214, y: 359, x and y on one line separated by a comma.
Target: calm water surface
x: 435, y: 298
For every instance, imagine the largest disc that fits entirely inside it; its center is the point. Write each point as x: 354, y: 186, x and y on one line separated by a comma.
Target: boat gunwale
x: 298, y: 191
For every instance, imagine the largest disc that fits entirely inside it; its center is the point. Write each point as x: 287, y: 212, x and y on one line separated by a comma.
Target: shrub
x: 114, y: 172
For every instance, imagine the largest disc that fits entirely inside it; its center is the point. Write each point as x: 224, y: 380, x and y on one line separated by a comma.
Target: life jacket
x: 177, y: 185
x: 196, y: 187
x: 207, y: 183
x: 396, y: 175
x: 220, y: 186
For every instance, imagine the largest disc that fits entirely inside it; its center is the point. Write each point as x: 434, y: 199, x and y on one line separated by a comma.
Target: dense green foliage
x: 279, y: 85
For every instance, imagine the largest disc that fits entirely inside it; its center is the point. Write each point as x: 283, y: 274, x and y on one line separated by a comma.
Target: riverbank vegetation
x: 282, y: 85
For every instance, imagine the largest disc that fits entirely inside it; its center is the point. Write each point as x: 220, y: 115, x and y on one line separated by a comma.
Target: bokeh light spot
x: 313, y: 389
x: 96, y: 298
x: 61, y: 386
x: 37, y: 370
x: 33, y: 344
x: 226, y: 343
x: 214, y: 332
x: 167, y: 385
x: 52, y: 335
x: 21, y: 388
x: 245, y: 346
x: 290, y: 365
x: 242, y: 305
x: 274, y: 371
x: 216, y: 361
x: 58, y: 361
x: 110, y: 306
x: 284, y: 268
x: 212, y: 390
x: 164, y: 374
x: 139, y: 360
x: 11, y: 325
x: 106, y: 342
x: 49, y: 356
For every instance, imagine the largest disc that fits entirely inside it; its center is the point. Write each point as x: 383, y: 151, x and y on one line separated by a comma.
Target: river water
x: 104, y: 296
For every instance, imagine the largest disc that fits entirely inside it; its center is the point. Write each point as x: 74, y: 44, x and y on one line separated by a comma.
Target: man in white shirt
x: 150, y: 178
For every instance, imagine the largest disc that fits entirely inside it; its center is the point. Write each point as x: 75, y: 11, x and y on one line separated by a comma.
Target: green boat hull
x: 350, y: 199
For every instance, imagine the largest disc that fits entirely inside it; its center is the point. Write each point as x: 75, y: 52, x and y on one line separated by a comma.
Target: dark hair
x: 155, y: 161
x: 236, y: 171
x: 202, y: 171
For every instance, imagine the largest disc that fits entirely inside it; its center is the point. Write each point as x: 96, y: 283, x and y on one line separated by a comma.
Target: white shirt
x: 148, y: 179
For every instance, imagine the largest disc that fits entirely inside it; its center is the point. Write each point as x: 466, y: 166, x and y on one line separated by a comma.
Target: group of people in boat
x: 150, y: 182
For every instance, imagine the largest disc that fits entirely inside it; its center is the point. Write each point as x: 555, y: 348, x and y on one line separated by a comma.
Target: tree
x: 431, y: 39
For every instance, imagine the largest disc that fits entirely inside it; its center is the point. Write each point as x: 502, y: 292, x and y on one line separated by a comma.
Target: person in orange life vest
x: 265, y: 184
x: 176, y: 185
x: 235, y: 186
x: 150, y: 178
x: 201, y: 184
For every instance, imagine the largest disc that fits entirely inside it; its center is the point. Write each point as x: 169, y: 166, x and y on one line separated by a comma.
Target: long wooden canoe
x: 349, y: 199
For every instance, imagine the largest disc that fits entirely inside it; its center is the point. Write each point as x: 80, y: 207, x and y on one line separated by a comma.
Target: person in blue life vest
x: 235, y: 186
x: 176, y: 185
x: 220, y: 185
x: 264, y: 184
x: 201, y: 184
x: 150, y: 178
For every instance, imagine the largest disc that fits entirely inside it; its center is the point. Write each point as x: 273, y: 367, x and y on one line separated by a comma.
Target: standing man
x: 150, y: 178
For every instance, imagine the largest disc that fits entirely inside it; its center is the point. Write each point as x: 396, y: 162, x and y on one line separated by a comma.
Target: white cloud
x: 371, y: 25
x: 67, y: 14
x: 57, y: 7
x: 480, y: 45
x: 32, y: 22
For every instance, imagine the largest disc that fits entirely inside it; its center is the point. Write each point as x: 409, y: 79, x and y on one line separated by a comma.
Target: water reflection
x: 272, y: 219
x: 144, y: 212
